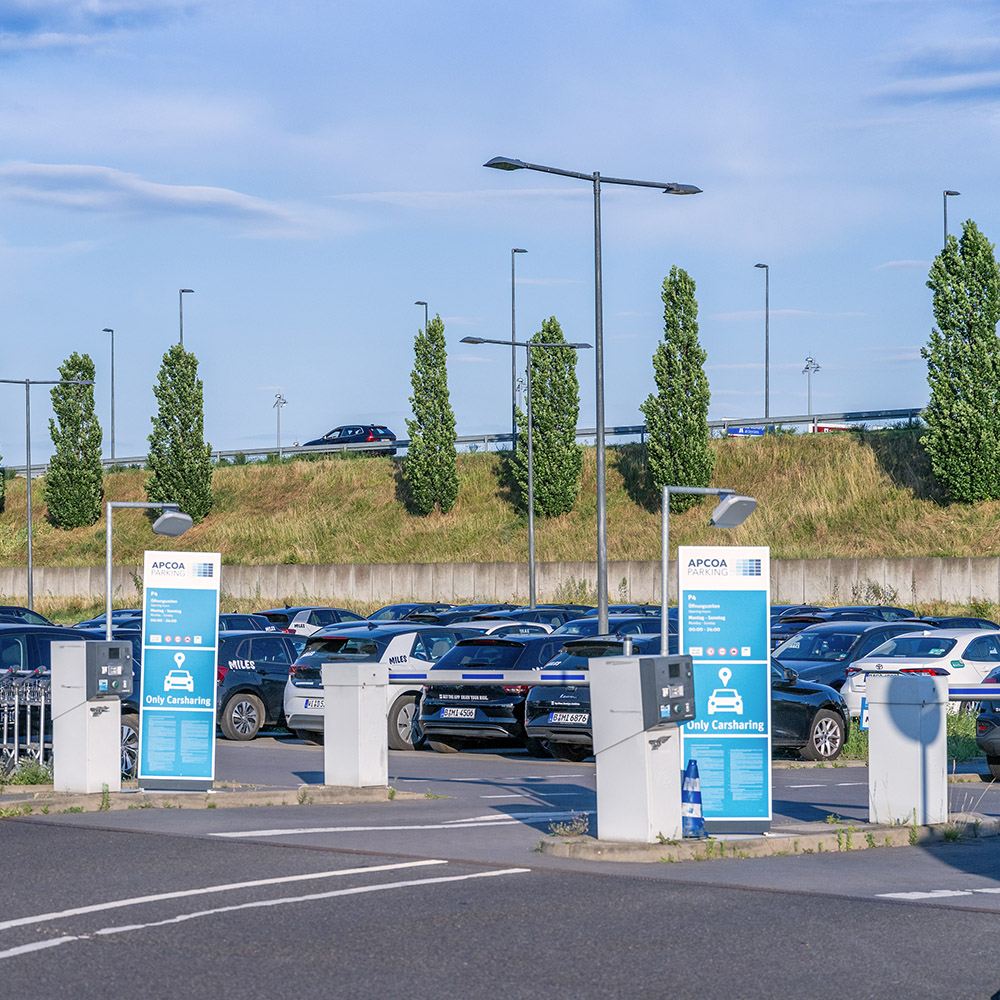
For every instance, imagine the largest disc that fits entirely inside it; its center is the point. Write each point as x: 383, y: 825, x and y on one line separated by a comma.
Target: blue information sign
x: 180, y: 619
x: 724, y: 602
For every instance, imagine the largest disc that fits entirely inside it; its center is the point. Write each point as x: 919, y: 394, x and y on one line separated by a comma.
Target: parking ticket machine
x: 637, y: 704
x: 89, y: 679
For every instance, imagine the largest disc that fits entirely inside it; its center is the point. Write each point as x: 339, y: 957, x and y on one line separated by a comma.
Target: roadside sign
x: 723, y: 605
x: 180, y: 622
x: 745, y: 431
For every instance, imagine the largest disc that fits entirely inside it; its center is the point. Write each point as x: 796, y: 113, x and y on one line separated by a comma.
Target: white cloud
x: 431, y: 201
x: 904, y: 265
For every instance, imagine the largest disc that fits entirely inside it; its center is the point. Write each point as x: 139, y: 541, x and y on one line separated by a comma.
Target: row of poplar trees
x: 676, y: 413
x: 179, y: 462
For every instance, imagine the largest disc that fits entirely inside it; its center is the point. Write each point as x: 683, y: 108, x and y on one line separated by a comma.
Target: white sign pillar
x: 355, y: 747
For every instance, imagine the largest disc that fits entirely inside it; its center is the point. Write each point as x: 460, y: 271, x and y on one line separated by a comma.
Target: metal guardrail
x: 486, y: 440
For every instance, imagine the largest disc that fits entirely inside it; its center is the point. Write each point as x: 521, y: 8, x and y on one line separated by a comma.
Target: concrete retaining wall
x: 792, y: 581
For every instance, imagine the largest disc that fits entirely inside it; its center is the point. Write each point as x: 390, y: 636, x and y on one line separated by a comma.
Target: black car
x: 559, y: 716
x: 230, y: 622
x: 357, y: 434
x: 822, y: 653
x: 252, y: 668
x: 780, y: 610
x: 884, y: 611
x: 456, y: 613
x: 25, y: 615
x: 959, y: 621
x: 120, y: 617
x: 617, y: 625
x: 396, y: 612
x: 452, y: 716
x: 785, y: 626
x: 543, y: 616
x: 631, y: 609
x: 988, y: 727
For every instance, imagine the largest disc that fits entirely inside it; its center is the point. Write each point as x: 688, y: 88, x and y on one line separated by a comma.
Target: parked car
x: 451, y: 716
x: 119, y: 617
x: 553, y: 617
x: 959, y: 621
x: 357, y: 434
x: 822, y: 653
x: 504, y: 626
x: 245, y: 623
x: 786, y: 626
x: 631, y: 609
x: 401, y: 645
x: 456, y: 613
x: 25, y: 615
x: 617, y: 625
x: 252, y: 669
x: 967, y: 656
x: 396, y: 612
x: 304, y: 620
x: 780, y: 610
x: 988, y: 727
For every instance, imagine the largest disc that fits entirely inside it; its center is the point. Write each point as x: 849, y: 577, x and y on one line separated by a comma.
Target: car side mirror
x: 791, y: 677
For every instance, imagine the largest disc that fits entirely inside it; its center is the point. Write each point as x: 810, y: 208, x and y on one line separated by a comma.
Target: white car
x: 400, y: 645
x: 966, y: 655
x: 310, y: 620
x: 504, y: 626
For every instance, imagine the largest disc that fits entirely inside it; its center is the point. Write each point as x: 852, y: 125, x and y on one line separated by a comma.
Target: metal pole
x: 767, y: 342
x: 180, y: 303
x: 602, y: 514
x: 108, y: 329
x: 27, y: 462
x: 665, y: 573
x: 944, y: 198
x: 531, y: 492
x: 107, y: 577
x: 513, y: 354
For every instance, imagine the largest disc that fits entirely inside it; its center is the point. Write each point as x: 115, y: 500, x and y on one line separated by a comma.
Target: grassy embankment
x: 819, y: 496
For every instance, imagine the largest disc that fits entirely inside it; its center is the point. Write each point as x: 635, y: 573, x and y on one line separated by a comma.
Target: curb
x: 34, y: 800
x: 840, y: 837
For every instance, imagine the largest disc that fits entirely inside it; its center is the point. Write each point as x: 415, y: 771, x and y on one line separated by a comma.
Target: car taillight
x: 220, y: 673
x: 371, y: 437
x: 516, y: 689
x: 982, y: 727
x: 991, y: 680
x: 925, y: 671
x: 853, y: 670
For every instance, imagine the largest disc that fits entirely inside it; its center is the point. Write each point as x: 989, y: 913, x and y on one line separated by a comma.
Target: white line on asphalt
x: 183, y: 917
x: 806, y: 786
x: 842, y: 784
x: 498, y: 820
x: 507, y: 795
x: 225, y: 887
x: 936, y: 893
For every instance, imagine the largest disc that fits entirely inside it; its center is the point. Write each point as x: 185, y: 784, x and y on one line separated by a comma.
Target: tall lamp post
x: 424, y: 304
x: 28, y: 383
x: 731, y: 512
x: 108, y: 329
x: 513, y: 355
x: 180, y: 302
x: 171, y: 522
x: 508, y: 163
x: 945, y: 197
x: 279, y: 402
x: 811, y: 366
x: 767, y: 339
x: 529, y: 346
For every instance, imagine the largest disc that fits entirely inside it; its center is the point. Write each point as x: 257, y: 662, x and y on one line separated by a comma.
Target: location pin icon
x: 179, y: 659
x: 724, y: 674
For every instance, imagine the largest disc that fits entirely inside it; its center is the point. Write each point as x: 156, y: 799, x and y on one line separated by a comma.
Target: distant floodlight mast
x: 595, y: 178
x: 730, y: 513
x: 279, y: 402
x: 811, y: 366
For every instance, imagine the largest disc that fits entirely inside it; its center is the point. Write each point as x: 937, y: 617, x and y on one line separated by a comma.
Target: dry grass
x: 819, y: 495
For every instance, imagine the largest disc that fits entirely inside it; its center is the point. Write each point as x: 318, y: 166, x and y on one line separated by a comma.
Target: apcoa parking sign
x: 724, y: 620
x: 180, y: 623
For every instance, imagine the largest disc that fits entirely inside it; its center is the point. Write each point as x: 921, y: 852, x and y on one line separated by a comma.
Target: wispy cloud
x: 479, y: 359
x: 948, y: 87
x: 439, y: 200
x: 904, y: 265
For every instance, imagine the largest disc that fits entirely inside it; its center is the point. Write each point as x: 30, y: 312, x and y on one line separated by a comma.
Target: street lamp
x: 529, y: 346
x: 811, y: 366
x: 508, y: 163
x: 946, y: 195
x: 424, y: 304
x: 279, y: 402
x: 180, y: 301
x: 731, y: 512
x: 28, y: 383
x: 108, y: 329
x: 767, y: 339
x: 172, y: 522
x: 513, y: 356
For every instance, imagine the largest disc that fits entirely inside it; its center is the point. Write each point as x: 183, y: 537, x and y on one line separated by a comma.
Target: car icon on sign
x: 180, y: 680
x: 725, y: 700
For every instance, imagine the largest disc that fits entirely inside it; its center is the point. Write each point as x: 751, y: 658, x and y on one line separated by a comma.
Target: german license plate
x: 315, y: 703
x: 570, y: 718
x: 458, y: 713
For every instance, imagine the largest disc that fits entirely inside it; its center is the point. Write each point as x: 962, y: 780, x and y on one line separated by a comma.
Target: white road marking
x: 508, y: 795
x: 842, y: 784
x: 225, y: 887
x: 937, y: 893
x: 183, y: 917
x: 806, y: 786
x: 495, y: 820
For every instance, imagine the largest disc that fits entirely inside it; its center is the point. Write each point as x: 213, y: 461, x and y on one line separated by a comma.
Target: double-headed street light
x: 529, y: 347
x: 508, y: 163
x: 279, y: 402
x: 28, y: 383
x: 180, y: 301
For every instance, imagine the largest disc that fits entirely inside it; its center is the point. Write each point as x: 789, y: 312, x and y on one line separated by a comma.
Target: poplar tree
x: 677, y: 448
x: 74, y: 483
x: 555, y: 407
x: 180, y: 461
x: 963, y: 365
x: 429, y: 467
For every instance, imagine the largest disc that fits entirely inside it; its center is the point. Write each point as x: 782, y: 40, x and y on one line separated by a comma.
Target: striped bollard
x: 692, y: 822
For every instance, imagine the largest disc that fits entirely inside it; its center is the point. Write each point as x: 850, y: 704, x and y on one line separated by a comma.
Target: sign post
x: 724, y: 620
x: 180, y: 622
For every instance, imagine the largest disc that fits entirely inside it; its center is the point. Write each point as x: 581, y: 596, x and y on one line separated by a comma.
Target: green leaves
x: 963, y: 365
x: 74, y: 484
x: 677, y: 449
x: 555, y: 405
x: 179, y: 460
x: 429, y: 467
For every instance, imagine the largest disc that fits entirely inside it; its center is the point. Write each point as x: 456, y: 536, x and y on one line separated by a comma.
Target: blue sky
x: 311, y: 169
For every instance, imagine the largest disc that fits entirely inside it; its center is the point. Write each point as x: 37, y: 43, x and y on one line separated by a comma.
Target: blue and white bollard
x: 692, y: 822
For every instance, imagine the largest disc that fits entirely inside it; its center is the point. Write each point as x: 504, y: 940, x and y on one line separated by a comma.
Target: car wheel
x: 574, y: 752
x: 536, y: 747
x: 826, y: 736
x: 404, y: 724
x: 309, y: 735
x: 242, y: 717
x: 993, y: 763
x: 442, y: 746
x: 130, y: 745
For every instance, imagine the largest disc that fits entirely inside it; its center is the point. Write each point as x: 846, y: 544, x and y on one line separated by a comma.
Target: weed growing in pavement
x: 30, y: 772
x: 392, y: 792
x: 951, y: 833
x: 833, y: 818
x: 72, y: 809
x: 105, y: 799
x: 303, y: 797
x: 211, y: 805
x: 430, y: 795
x: 914, y: 834
x: 576, y: 826
x: 870, y: 839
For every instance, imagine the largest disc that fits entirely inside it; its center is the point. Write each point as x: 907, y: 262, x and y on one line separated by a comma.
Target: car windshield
x: 914, y: 645
x: 818, y: 646
x: 389, y: 614
x: 579, y: 656
x: 496, y: 657
x: 340, y: 647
